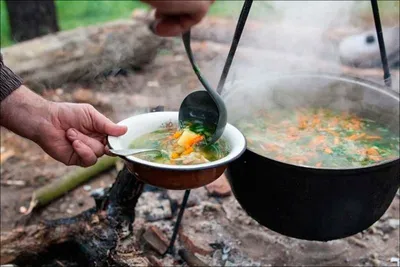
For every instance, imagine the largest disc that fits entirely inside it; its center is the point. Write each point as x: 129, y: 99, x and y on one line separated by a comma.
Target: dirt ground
x: 26, y: 167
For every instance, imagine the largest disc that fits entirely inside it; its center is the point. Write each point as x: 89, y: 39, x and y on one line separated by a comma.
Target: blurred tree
x: 30, y: 19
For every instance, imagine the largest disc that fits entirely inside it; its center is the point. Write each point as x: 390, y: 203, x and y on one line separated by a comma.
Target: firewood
x: 82, y: 53
x: 103, y: 235
x: 71, y: 180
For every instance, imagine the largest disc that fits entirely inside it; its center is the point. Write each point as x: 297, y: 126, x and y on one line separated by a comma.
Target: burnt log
x: 31, y: 19
x: 83, y: 53
x: 101, y: 236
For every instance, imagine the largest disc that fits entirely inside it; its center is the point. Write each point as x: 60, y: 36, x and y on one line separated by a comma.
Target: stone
x: 389, y: 225
x: 196, y: 196
x: 219, y: 188
x: 82, y: 95
x: 152, y: 207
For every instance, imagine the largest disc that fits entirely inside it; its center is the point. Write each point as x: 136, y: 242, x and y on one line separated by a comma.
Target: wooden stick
x: 59, y: 187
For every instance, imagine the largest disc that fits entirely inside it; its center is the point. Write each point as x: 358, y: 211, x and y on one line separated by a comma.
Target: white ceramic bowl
x: 173, y: 176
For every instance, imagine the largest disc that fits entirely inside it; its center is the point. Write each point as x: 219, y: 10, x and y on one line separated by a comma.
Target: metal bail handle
x: 386, y: 72
x: 235, y: 42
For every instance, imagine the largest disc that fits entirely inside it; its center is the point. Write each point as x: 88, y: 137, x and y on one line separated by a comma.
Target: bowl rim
x: 195, y: 167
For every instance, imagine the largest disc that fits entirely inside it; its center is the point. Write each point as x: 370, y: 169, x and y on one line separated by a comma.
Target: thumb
x: 113, y: 129
x: 103, y: 125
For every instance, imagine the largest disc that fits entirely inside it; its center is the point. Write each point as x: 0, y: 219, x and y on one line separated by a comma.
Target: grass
x: 72, y: 14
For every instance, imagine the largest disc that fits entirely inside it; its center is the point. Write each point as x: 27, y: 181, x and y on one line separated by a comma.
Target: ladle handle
x: 132, y: 151
x: 207, y: 86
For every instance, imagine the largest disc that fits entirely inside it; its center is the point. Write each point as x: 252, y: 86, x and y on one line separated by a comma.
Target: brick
x: 154, y: 261
x: 195, y: 243
x: 156, y: 239
x: 219, y: 188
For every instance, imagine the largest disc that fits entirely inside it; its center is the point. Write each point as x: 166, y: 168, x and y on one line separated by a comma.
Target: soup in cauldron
x: 319, y: 137
x: 185, y: 145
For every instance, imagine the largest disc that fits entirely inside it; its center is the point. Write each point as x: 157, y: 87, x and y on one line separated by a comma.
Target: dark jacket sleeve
x: 9, y: 81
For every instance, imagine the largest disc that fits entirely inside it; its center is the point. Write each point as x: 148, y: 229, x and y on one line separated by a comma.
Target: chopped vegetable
x: 185, y: 145
x: 319, y: 137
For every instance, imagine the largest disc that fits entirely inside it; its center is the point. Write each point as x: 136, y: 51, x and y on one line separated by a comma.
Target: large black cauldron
x: 305, y: 202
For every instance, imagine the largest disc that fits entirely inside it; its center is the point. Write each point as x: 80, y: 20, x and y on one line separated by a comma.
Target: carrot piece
x: 188, y: 151
x: 373, y: 137
x: 355, y: 137
x: 316, y: 121
x: 318, y: 140
x: 177, y: 135
x: 328, y: 150
x: 374, y: 158
x: 302, y: 124
x: 372, y: 152
x: 174, y: 155
x: 197, y: 139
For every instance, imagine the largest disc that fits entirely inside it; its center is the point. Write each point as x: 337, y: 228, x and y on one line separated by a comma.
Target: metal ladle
x: 207, y: 106
x: 129, y: 152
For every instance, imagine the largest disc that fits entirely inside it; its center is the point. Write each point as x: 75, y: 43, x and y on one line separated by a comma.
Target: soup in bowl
x: 185, y: 160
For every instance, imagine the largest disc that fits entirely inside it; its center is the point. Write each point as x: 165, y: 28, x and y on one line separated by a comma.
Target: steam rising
x: 295, y: 39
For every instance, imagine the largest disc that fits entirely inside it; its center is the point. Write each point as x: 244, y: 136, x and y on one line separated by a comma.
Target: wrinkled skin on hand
x: 76, y: 134
x: 73, y: 134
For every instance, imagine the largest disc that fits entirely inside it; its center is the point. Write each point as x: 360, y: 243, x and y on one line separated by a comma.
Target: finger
x: 95, y: 145
x: 175, y: 25
x: 103, y: 125
x: 107, y: 152
x: 179, y: 7
x: 86, y: 155
x: 168, y: 27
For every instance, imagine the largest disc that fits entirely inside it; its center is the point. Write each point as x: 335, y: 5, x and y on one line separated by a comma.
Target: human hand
x: 74, y: 134
x: 176, y: 17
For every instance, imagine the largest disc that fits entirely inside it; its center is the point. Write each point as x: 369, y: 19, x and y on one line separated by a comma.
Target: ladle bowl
x: 207, y: 106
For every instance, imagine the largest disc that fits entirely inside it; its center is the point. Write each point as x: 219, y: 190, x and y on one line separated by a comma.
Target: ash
x: 219, y: 233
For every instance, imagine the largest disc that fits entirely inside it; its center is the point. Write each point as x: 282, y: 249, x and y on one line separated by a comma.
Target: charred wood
x: 99, y: 237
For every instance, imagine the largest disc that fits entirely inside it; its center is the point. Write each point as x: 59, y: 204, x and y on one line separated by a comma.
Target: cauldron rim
x: 345, y: 78
x: 342, y: 170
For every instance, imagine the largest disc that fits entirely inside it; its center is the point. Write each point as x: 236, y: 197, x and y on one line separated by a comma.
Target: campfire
x: 131, y: 223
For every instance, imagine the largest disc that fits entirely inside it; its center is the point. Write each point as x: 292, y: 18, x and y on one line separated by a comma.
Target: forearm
x: 24, y: 112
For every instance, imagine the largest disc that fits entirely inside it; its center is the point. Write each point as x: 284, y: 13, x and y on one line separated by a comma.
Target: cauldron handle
x: 378, y: 26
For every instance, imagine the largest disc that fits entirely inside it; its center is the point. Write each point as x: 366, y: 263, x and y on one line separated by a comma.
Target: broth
x: 319, y: 137
x: 186, y: 145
